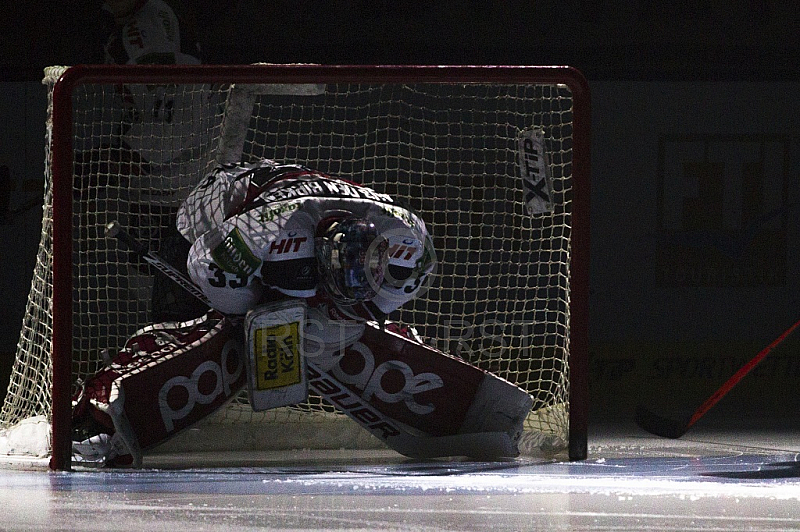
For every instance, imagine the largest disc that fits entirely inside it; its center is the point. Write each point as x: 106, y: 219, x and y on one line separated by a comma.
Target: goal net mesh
x: 500, y: 297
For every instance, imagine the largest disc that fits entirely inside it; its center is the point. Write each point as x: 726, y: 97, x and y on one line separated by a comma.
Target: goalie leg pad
x: 167, y: 377
x: 497, y: 406
x: 426, y: 392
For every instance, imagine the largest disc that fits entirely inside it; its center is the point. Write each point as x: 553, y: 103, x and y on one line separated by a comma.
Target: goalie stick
x: 115, y: 230
x: 669, y: 427
x: 401, y: 438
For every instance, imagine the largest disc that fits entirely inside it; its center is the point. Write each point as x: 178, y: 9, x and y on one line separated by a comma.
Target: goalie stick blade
x: 477, y: 446
x: 660, y: 425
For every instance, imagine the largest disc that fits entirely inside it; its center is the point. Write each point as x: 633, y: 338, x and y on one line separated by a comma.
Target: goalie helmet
x: 351, y: 258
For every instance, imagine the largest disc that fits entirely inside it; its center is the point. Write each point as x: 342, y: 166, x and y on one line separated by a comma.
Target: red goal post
x: 511, y: 293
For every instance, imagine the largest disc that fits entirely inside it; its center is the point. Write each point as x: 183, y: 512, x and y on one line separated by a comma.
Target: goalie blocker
x: 419, y: 401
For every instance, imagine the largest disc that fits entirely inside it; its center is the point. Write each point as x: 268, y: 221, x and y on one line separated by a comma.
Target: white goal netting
x: 502, y: 293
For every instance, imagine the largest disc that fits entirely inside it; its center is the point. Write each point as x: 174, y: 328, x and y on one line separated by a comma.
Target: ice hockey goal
x: 495, y: 159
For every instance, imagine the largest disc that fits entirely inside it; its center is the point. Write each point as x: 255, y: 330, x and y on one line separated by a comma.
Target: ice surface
x: 631, y: 481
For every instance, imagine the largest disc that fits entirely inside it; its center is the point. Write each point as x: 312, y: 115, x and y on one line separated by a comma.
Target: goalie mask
x: 351, y: 259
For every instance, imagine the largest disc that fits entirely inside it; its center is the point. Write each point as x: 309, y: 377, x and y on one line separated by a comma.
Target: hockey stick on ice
x: 396, y: 435
x: 675, y: 428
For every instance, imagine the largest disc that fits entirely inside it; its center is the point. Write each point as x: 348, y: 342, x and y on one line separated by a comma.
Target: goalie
x: 305, y: 268
x: 266, y: 231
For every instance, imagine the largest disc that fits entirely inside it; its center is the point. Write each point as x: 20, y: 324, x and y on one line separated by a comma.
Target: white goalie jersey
x: 252, y: 229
